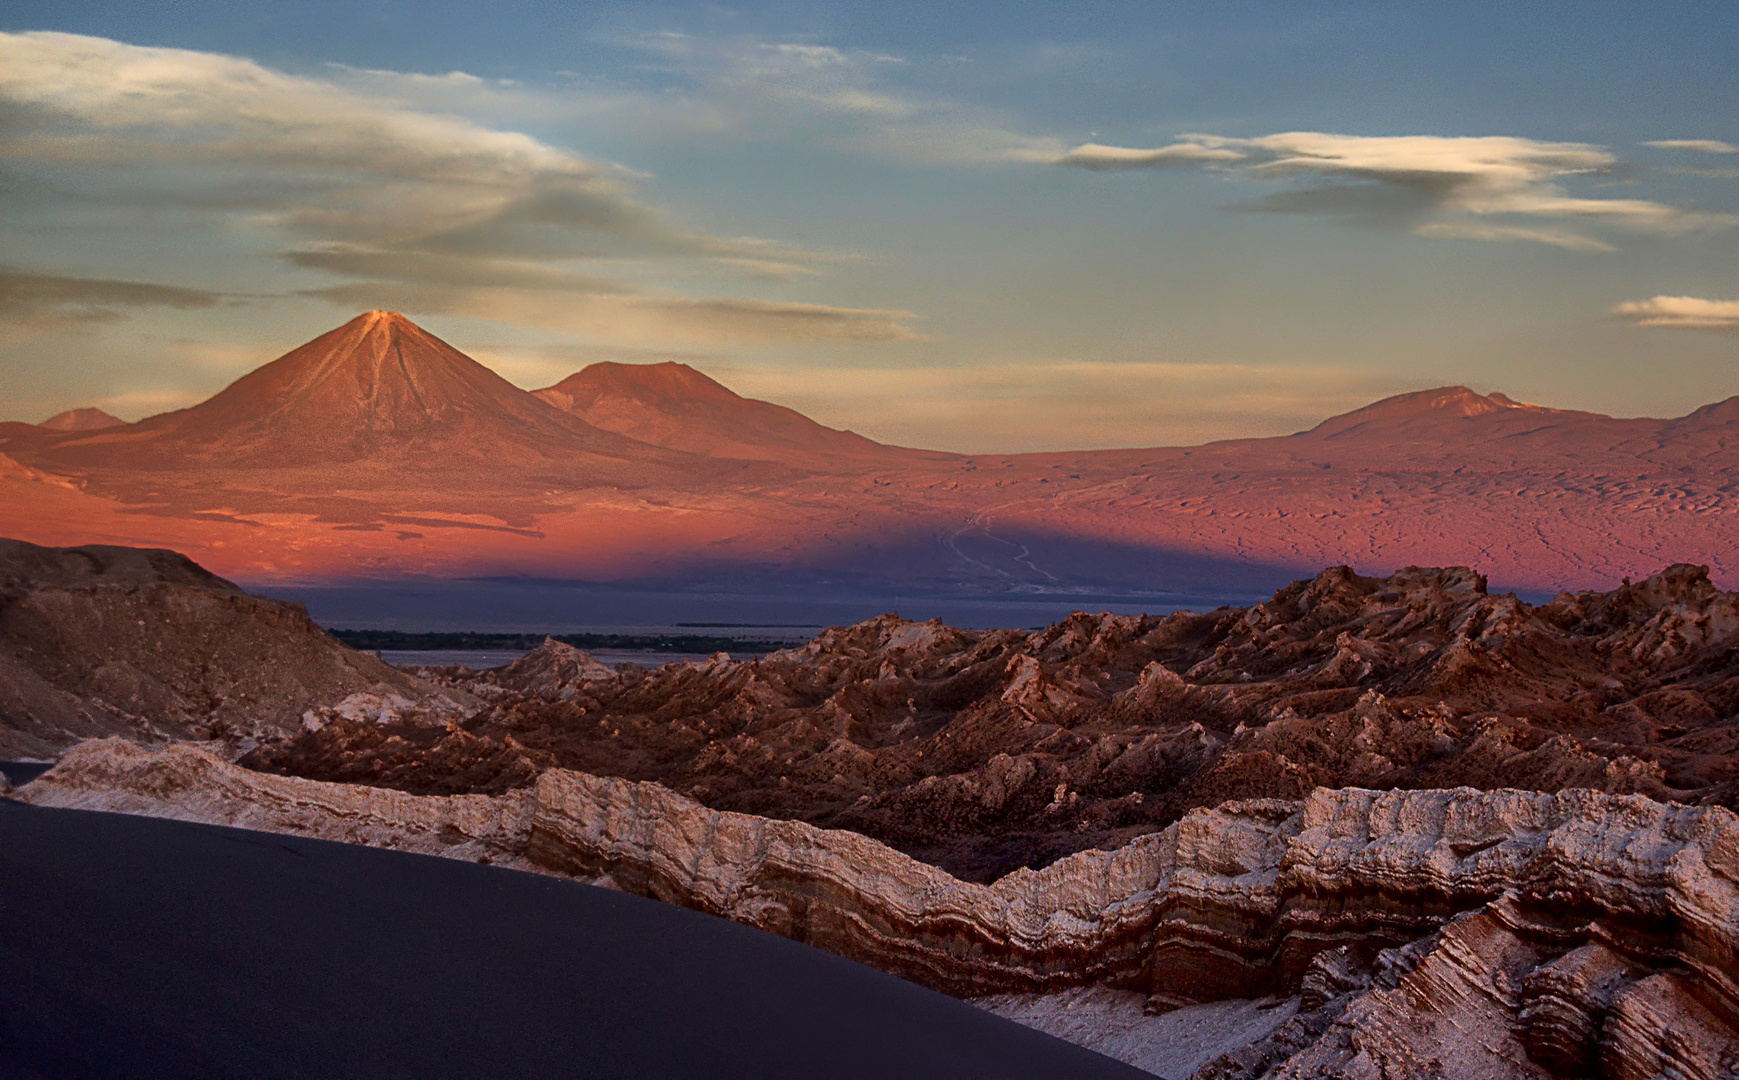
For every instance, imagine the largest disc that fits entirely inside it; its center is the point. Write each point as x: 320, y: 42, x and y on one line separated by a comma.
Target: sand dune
x: 158, y: 948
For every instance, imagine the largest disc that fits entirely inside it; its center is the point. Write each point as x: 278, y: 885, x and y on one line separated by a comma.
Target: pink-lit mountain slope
x: 377, y: 405
x: 1537, y: 497
x: 675, y: 406
x: 377, y: 450
x: 82, y: 420
x: 377, y: 387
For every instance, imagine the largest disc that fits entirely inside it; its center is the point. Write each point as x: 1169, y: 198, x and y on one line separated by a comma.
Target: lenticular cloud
x: 1435, y: 185
x: 1681, y: 313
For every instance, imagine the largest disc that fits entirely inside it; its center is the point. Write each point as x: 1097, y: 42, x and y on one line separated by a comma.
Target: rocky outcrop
x: 984, y: 751
x: 188, y: 782
x: 98, y: 641
x: 554, y: 671
x: 1458, y: 933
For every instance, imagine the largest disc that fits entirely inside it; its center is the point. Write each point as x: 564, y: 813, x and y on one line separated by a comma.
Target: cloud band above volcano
x: 384, y: 197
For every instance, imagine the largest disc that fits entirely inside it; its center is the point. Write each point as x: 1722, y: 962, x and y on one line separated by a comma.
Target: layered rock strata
x: 98, y: 641
x: 983, y: 751
x: 188, y: 782
x: 1563, y: 932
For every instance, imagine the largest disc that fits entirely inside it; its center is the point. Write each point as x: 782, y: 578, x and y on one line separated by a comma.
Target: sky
x: 969, y: 226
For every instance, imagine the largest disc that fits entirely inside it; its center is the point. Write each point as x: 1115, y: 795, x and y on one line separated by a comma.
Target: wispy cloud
x: 1114, y: 158
x: 1437, y: 186
x: 365, y: 186
x: 1681, y: 313
x: 32, y: 304
x: 1703, y: 146
x: 1481, y: 230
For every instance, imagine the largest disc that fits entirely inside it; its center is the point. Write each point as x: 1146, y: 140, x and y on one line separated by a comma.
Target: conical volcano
x: 378, y: 386
x: 376, y: 408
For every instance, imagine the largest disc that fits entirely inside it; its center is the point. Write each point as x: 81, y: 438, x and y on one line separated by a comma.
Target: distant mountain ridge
x: 82, y: 420
x: 1443, y: 411
x: 378, y: 450
x: 673, y: 405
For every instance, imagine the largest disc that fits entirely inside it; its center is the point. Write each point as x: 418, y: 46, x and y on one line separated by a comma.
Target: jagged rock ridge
x: 984, y: 751
x: 1503, y: 934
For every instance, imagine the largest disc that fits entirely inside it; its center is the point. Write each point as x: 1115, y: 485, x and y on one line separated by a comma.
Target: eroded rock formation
x: 1453, y: 933
x: 982, y: 751
x: 99, y: 641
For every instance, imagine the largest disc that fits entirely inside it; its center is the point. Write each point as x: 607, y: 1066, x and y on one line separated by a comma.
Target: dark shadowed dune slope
x: 136, y: 947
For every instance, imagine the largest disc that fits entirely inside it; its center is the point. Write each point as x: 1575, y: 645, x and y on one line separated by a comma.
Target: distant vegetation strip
x: 374, y: 640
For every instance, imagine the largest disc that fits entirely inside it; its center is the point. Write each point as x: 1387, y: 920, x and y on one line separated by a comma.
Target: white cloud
x: 1434, y: 185
x: 1704, y: 146
x: 1681, y: 313
x: 373, y: 189
x: 1104, y: 158
x: 1479, y: 230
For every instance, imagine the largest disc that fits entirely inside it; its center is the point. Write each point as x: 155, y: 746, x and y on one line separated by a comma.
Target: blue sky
x: 978, y: 227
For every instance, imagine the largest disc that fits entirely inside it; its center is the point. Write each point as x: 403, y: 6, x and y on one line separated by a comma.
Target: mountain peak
x: 1438, y: 409
x: 379, y: 384
x: 667, y: 382
x: 81, y: 420
x: 672, y: 405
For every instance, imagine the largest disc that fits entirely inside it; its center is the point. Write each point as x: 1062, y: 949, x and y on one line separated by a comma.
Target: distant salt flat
x: 482, y: 659
x: 475, y: 659
x: 570, y: 607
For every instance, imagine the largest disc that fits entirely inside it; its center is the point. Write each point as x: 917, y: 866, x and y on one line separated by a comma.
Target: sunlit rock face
x: 103, y: 640
x: 1455, y: 933
x: 984, y: 751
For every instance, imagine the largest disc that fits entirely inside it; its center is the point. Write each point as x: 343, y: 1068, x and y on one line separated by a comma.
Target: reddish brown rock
x: 99, y: 641
x: 82, y: 420
x: 982, y: 751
